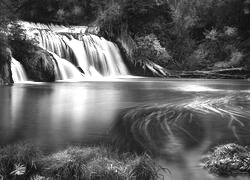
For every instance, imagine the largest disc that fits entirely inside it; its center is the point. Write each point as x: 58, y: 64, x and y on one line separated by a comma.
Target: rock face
x: 5, y: 66
x: 5, y: 74
x: 40, y: 67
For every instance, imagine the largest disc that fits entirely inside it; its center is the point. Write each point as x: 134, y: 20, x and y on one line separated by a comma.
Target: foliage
x: 149, y: 49
x: 140, y: 13
x: 196, y: 34
x: 228, y: 160
x: 15, y: 43
x: 18, y: 160
x: 110, y: 21
x: 206, y: 24
x: 136, y: 25
x: 219, y: 49
x: 22, y: 47
x: 5, y: 18
x: 56, y: 11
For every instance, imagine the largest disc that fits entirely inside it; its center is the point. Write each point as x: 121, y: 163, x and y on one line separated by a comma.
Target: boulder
x: 5, y: 66
x: 40, y: 67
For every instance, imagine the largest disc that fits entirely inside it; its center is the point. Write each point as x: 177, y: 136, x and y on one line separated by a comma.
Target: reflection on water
x: 55, y: 115
x: 205, y: 113
x: 196, y: 88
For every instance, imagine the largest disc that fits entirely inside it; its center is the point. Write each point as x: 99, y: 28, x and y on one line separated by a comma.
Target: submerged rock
x: 228, y: 160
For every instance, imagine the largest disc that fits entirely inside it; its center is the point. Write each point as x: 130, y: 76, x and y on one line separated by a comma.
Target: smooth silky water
x: 94, y: 90
x: 56, y: 115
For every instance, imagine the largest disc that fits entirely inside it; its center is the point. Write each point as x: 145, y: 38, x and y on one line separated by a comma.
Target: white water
x: 52, y: 27
x: 96, y: 56
x: 65, y: 70
x: 18, y: 72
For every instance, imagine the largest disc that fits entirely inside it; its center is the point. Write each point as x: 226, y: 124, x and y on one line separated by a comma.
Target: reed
x: 165, y: 128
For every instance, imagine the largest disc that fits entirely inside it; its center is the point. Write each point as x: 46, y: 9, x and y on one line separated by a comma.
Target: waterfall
x: 18, y: 72
x: 98, y: 54
x: 65, y: 70
x: 92, y: 55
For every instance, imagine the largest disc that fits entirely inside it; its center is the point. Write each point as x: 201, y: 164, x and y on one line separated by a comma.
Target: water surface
x: 54, y: 115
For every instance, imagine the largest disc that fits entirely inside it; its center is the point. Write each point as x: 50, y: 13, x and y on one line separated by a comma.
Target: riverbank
x: 229, y: 73
x: 26, y: 161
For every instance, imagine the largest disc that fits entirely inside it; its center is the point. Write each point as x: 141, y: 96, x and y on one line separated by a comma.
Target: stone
x: 40, y: 67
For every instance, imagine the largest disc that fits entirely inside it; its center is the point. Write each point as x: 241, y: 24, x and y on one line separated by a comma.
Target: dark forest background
x: 173, y: 34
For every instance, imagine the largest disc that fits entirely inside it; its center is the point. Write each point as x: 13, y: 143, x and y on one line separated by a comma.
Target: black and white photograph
x: 124, y: 89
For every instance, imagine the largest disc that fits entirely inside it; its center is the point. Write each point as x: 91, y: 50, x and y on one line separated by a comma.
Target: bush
x: 148, y: 53
x: 149, y: 49
x: 142, y: 15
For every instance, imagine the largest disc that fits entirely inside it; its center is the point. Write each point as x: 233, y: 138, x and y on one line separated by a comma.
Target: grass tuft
x: 25, y: 161
x: 228, y: 160
x: 18, y: 160
x: 93, y: 163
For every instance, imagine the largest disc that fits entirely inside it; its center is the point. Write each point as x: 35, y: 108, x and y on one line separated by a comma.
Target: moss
x: 228, y: 160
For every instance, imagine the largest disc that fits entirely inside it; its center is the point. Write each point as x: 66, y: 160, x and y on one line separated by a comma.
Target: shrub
x: 149, y: 49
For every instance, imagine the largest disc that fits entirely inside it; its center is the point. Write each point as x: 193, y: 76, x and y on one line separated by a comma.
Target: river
x: 55, y: 115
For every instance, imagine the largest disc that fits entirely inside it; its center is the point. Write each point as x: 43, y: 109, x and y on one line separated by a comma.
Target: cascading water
x: 65, y: 70
x: 92, y: 55
x: 97, y: 55
x: 18, y: 72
